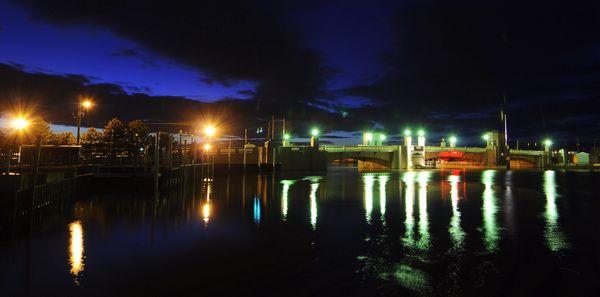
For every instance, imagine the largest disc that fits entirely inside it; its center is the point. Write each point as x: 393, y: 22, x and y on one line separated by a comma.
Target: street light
x: 19, y: 124
x: 421, y: 133
x: 314, y: 132
x: 407, y: 132
x: 486, y: 137
x: 453, y: 141
x: 547, y: 143
x: 369, y: 136
x: 210, y: 131
x: 313, y: 139
x: 207, y: 147
x: 83, y: 104
x: 286, y: 136
x: 382, y: 137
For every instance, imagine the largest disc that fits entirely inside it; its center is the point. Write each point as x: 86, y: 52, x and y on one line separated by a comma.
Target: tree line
x: 117, y: 138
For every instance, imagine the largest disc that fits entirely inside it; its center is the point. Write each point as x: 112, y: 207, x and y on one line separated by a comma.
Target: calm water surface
x: 343, y: 233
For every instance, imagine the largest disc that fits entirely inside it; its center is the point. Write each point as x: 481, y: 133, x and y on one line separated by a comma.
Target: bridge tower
x: 496, y: 149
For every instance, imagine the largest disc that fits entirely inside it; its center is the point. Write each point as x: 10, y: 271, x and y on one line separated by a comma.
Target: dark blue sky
x: 349, y: 40
x: 351, y: 65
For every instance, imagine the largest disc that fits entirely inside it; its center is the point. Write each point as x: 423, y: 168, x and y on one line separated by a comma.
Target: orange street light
x: 19, y: 123
x: 87, y: 104
x: 207, y: 147
x: 83, y: 104
x: 210, y: 131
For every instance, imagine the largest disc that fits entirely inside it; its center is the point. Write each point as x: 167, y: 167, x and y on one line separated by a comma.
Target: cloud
x: 54, y: 98
x: 463, y: 58
x: 225, y: 40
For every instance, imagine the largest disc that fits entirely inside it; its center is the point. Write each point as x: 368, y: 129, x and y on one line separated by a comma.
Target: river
x: 340, y: 233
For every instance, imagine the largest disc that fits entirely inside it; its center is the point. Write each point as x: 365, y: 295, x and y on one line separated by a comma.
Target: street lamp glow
x: 453, y: 140
x: 207, y: 147
x: 548, y: 142
x: 210, y: 131
x: 421, y: 133
x: 382, y: 137
x: 486, y: 136
x: 314, y: 132
x: 407, y: 132
x: 87, y: 104
x: 368, y: 136
x: 286, y: 136
x: 19, y: 123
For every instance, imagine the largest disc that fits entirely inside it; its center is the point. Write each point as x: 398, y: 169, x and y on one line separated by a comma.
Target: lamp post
x: 314, y: 137
x: 82, y: 104
x: 486, y: 138
x: 18, y: 124
x: 453, y: 141
x: 421, y: 138
x: 210, y: 131
x: 547, y: 150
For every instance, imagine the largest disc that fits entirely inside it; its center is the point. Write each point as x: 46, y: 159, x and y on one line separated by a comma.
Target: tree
x: 92, y: 143
x: 36, y: 129
x: 61, y: 138
x: 137, y: 132
x: 115, y: 137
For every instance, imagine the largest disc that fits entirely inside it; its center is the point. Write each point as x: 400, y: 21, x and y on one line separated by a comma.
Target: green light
x: 453, y: 140
x: 548, y: 142
x: 421, y: 133
x: 382, y: 137
x: 286, y: 136
x: 407, y: 132
x: 314, y: 132
x: 368, y: 136
x: 486, y: 136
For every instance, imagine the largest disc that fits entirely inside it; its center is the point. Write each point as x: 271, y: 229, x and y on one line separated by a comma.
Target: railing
x: 360, y: 148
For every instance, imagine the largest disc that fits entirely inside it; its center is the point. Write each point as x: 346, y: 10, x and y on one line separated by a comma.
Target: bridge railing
x: 526, y: 152
x: 359, y: 148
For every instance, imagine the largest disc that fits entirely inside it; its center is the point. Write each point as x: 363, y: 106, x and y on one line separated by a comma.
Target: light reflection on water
x: 424, y: 237
x: 383, y: 179
x: 314, y: 187
x: 456, y: 232
x: 554, y: 238
x: 489, y: 208
x: 76, y: 249
x: 409, y: 198
x: 369, y: 181
x: 286, y: 184
x: 418, y: 254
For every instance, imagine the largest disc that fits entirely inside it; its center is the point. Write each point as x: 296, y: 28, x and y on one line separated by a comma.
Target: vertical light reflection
x: 76, y: 249
x: 369, y: 181
x: 554, y: 238
x: 508, y: 205
x: 256, y: 210
x: 456, y: 232
x: 383, y: 179
x: 490, y: 226
x: 286, y: 184
x: 206, y: 206
x: 424, y: 237
x: 409, y: 222
x: 314, y: 187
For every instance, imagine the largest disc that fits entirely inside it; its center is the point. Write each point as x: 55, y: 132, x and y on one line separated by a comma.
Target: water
x: 344, y: 233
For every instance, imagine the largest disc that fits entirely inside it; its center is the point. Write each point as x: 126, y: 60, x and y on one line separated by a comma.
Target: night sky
x: 448, y: 66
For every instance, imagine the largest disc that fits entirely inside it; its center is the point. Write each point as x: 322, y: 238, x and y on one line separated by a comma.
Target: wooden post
x: 156, y: 163
x: 194, y: 150
x: 229, y: 157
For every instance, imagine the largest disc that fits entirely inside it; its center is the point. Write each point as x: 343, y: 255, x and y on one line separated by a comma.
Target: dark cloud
x: 225, y: 40
x: 464, y: 57
x: 54, y: 97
